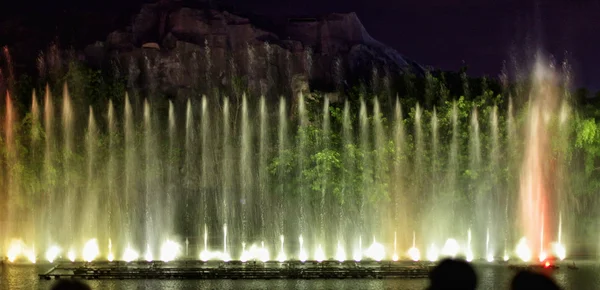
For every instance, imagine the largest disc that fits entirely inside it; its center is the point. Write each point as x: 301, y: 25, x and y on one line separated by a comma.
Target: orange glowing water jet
x: 537, y: 172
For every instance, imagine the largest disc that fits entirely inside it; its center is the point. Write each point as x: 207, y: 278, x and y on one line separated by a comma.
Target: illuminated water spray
x: 187, y: 247
x: 302, y: 256
x: 490, y: 255
x: 245, y: 254
x: 450, y: 248
x: 14, y: 250
x: 395, y: 256
x: 319, y: 254
x: 413, y: 252
x: 130, y: 254
x: 263, y: 253
x: 205, y: 238
x: 110, y: 256
x: 469, y: 251
x: 52, y: 253
x: 432, y: 253
x: 340, y: 255
x: 281, y: 257
x: 91, y: 250
x: 523, y: 251
x: 559, y: 227
x: 30, y: 255
x: 169, y: 251
x: 537, y: 179
x: 543, y: 254
x: 148, y: 256
x: 358, y: 252
x: 71, y: 255
x: 558, y: 248
x: 376, y: 251
x: 205, y: 255
x: 226, y: 257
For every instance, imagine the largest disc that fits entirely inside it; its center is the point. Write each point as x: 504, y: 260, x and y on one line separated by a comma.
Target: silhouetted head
x: 532, y: 280
x: 70, y: 285
x: 453, y: 274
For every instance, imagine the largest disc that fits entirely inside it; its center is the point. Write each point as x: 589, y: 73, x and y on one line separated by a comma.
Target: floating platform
x: 239, y: 270
x: 533, y: 267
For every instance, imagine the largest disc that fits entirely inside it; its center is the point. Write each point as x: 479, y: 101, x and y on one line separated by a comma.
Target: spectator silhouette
x: 453, y: 274
x: 70, y: 285
x: 531, y: 280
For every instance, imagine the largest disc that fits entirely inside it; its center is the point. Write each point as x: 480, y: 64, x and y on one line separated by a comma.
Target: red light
x: 547, y: 265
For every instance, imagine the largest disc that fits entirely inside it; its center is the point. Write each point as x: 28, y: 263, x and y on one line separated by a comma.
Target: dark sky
x: 482, y: 33
x: 444, y: 33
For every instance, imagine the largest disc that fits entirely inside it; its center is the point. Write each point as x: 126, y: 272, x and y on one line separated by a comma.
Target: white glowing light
x: 91, y: 250
x: 559, y: 250
x: 523, y: 251
x: 395, y: 255
x: 30, y: 254
x: 254, y: 253
x: 52, y: 253
x: 543, y: 256
x: 357, y: 256
x: 169, y: 251
x: 14, y: 250
x: 110, y: 256
x: 205, y: 255
x: 506, y: 257
x: 18, y: 248
x: 130, y: 255
x: 281, y: 257
x: 432, y: 253
x: 319, y: 254
x: 376, y: 251
x: 225, y: 257
x: 263, y: 253
x: 71, y: 255
x: 469, y: 251
x: 302, y: 255
x: 469, y: 255
x: 245, y: 254
x: 450, y: 248
x: 414, y: 254
x: 340, y: 255
x: 148, y: 255
x: 490, y: 258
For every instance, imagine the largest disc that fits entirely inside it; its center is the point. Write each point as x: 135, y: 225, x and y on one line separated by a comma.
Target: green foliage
x: 353, y: 173
x: 315, y: 164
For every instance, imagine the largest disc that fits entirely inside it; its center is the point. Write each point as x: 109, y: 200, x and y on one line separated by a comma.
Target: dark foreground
x: 234, y: 270
x: 490, y: 277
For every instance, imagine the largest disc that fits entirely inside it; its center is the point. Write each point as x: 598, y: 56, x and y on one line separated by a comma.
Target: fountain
x: 367, y: 179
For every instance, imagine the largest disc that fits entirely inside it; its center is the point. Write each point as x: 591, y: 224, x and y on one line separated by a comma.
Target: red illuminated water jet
x: 537, y: 173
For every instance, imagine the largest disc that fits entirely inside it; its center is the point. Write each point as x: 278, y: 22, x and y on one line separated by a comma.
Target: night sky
x: 482, y: 33
x: 447, y: 33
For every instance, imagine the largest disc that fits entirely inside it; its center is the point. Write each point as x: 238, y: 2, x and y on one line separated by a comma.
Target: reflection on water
x: 490, y: 278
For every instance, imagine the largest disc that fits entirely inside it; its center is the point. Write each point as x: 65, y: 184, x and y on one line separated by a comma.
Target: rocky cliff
x: 174, y: 49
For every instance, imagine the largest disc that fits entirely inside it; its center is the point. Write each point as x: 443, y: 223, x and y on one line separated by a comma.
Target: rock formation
x: 174, y: 49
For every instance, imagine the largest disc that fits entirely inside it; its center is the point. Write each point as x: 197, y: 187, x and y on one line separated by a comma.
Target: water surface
x: 491, y: 278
